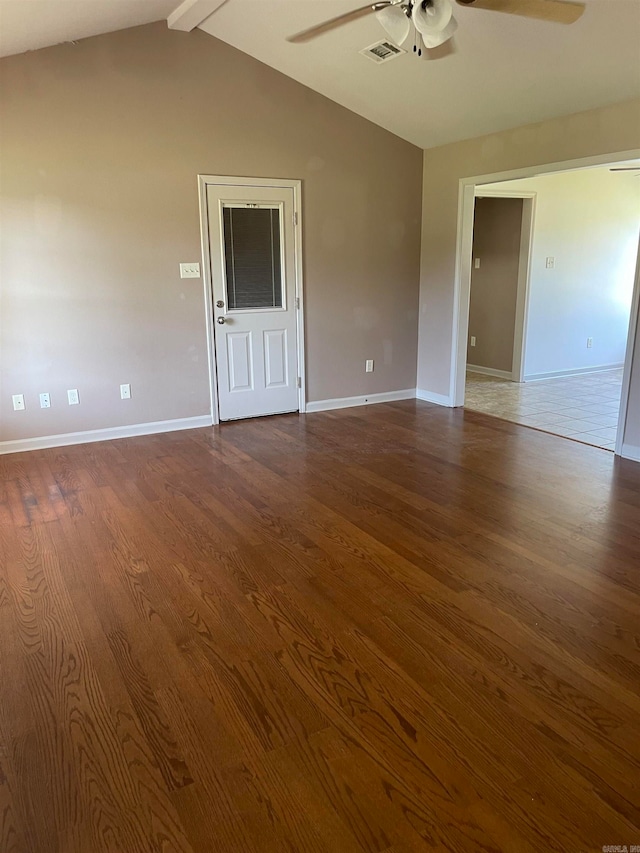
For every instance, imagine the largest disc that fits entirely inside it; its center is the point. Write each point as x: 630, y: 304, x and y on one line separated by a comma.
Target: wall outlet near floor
x: 476, y: 263
x: 368, y: 366
x: 589, y: 343
x: 45, y: 401
x: 18, y: 402
x: 473, y: 340
x: 550, y: 263
x: 73, y: 397
x: 189, y: 270
x: 125, y: 392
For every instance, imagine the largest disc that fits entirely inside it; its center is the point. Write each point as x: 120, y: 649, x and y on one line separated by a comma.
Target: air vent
x: 382, y: 51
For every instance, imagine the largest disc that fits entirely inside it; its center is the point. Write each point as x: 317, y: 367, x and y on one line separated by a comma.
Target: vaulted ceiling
x: 31, y: 24
x: 505, y: 70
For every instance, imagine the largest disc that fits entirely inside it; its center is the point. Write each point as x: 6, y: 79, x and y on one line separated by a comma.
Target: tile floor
x: 584, y: 407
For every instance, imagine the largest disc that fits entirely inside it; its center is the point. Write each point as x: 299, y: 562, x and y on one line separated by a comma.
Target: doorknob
x: 221, y: 320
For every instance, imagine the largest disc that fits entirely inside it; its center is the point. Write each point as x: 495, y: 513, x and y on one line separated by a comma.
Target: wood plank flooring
x: 391, y: 629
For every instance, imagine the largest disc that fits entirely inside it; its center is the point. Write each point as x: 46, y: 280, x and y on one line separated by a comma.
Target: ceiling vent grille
x: 382, y: 51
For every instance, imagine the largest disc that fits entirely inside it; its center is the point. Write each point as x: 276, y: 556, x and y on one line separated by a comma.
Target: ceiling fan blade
x: 557, y: 11
x: 332, y: 23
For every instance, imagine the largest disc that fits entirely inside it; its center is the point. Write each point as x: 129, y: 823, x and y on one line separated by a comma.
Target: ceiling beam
x: 191, y: 13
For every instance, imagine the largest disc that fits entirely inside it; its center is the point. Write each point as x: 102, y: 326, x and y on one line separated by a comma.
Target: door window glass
x: 252, y: 257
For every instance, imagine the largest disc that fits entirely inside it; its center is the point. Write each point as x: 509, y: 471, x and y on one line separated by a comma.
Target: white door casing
x: 251, y: 252
x: 467, y: 189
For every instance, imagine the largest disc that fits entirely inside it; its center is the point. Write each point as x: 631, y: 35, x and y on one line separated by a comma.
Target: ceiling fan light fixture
x: 435, y: 39
x: 395, y: 22
x: 431, y: 16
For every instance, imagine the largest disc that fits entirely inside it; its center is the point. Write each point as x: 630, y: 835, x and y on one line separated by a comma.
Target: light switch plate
x: 189, y: 270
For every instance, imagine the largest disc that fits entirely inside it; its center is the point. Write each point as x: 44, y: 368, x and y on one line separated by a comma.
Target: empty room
x: 267, y: 581
x: 554, y: 260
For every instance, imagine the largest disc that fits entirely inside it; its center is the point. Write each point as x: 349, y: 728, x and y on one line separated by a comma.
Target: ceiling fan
x: 434, y: 21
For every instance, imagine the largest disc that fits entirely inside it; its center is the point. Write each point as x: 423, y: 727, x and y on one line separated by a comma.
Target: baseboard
x: 430, y: 397
x: 131, y: 431
x: 576, y: 371
x: 490, y: 371
x: 368, y: 400
x: 630, y: 451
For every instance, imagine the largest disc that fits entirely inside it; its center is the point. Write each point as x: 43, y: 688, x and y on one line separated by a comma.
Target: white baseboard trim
x: 630, y: 451
x: 131, y: 431
x: 576, y: 371
x: 368, y: 400
x: 490, y: 371
x: 430, y: 397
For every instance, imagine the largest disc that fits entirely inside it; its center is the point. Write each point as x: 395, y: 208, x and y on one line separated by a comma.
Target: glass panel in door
x: 252, y: 249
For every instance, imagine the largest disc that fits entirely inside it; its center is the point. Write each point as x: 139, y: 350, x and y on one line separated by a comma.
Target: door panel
x: 275, y: 358
x: 251, y: 243
x: 240, y: 361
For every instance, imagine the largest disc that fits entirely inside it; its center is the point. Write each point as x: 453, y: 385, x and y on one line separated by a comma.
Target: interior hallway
x: 584, y: 408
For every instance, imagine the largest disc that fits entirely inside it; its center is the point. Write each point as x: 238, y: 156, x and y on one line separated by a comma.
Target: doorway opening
x: 252, y: 261
x: 551, y: 308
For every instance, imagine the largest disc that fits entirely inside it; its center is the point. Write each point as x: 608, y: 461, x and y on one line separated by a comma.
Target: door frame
x: 463, y: 264
x: 205, y: 181
x: 524, y: 270
x: 632, y: 342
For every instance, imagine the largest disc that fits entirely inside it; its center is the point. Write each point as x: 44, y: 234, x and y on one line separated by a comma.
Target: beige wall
x: 497, y: 230
x: 101, y: 145
x: 596, y: 132
x: 588, y: 221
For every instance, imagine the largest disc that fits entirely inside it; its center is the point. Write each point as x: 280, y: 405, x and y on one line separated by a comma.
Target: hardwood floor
x: 395, y: 628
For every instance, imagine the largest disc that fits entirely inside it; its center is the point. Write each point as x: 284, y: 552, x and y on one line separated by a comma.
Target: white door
x: 252, y: 251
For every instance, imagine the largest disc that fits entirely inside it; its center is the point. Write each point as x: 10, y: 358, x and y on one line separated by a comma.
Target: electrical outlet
x: 476, y: 263
x: 73, y: 398
x: 189, y: 270
x: 45, y: 401
x: 125, y: 392
x: 368, y: 366
x: 473, y: 340
x: 550, y: 263
x: 18, y: 402
x: 589, y: 343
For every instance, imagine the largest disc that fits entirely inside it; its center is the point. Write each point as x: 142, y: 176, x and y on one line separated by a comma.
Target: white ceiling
x: 506, y: 71
x: 30, y: 24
